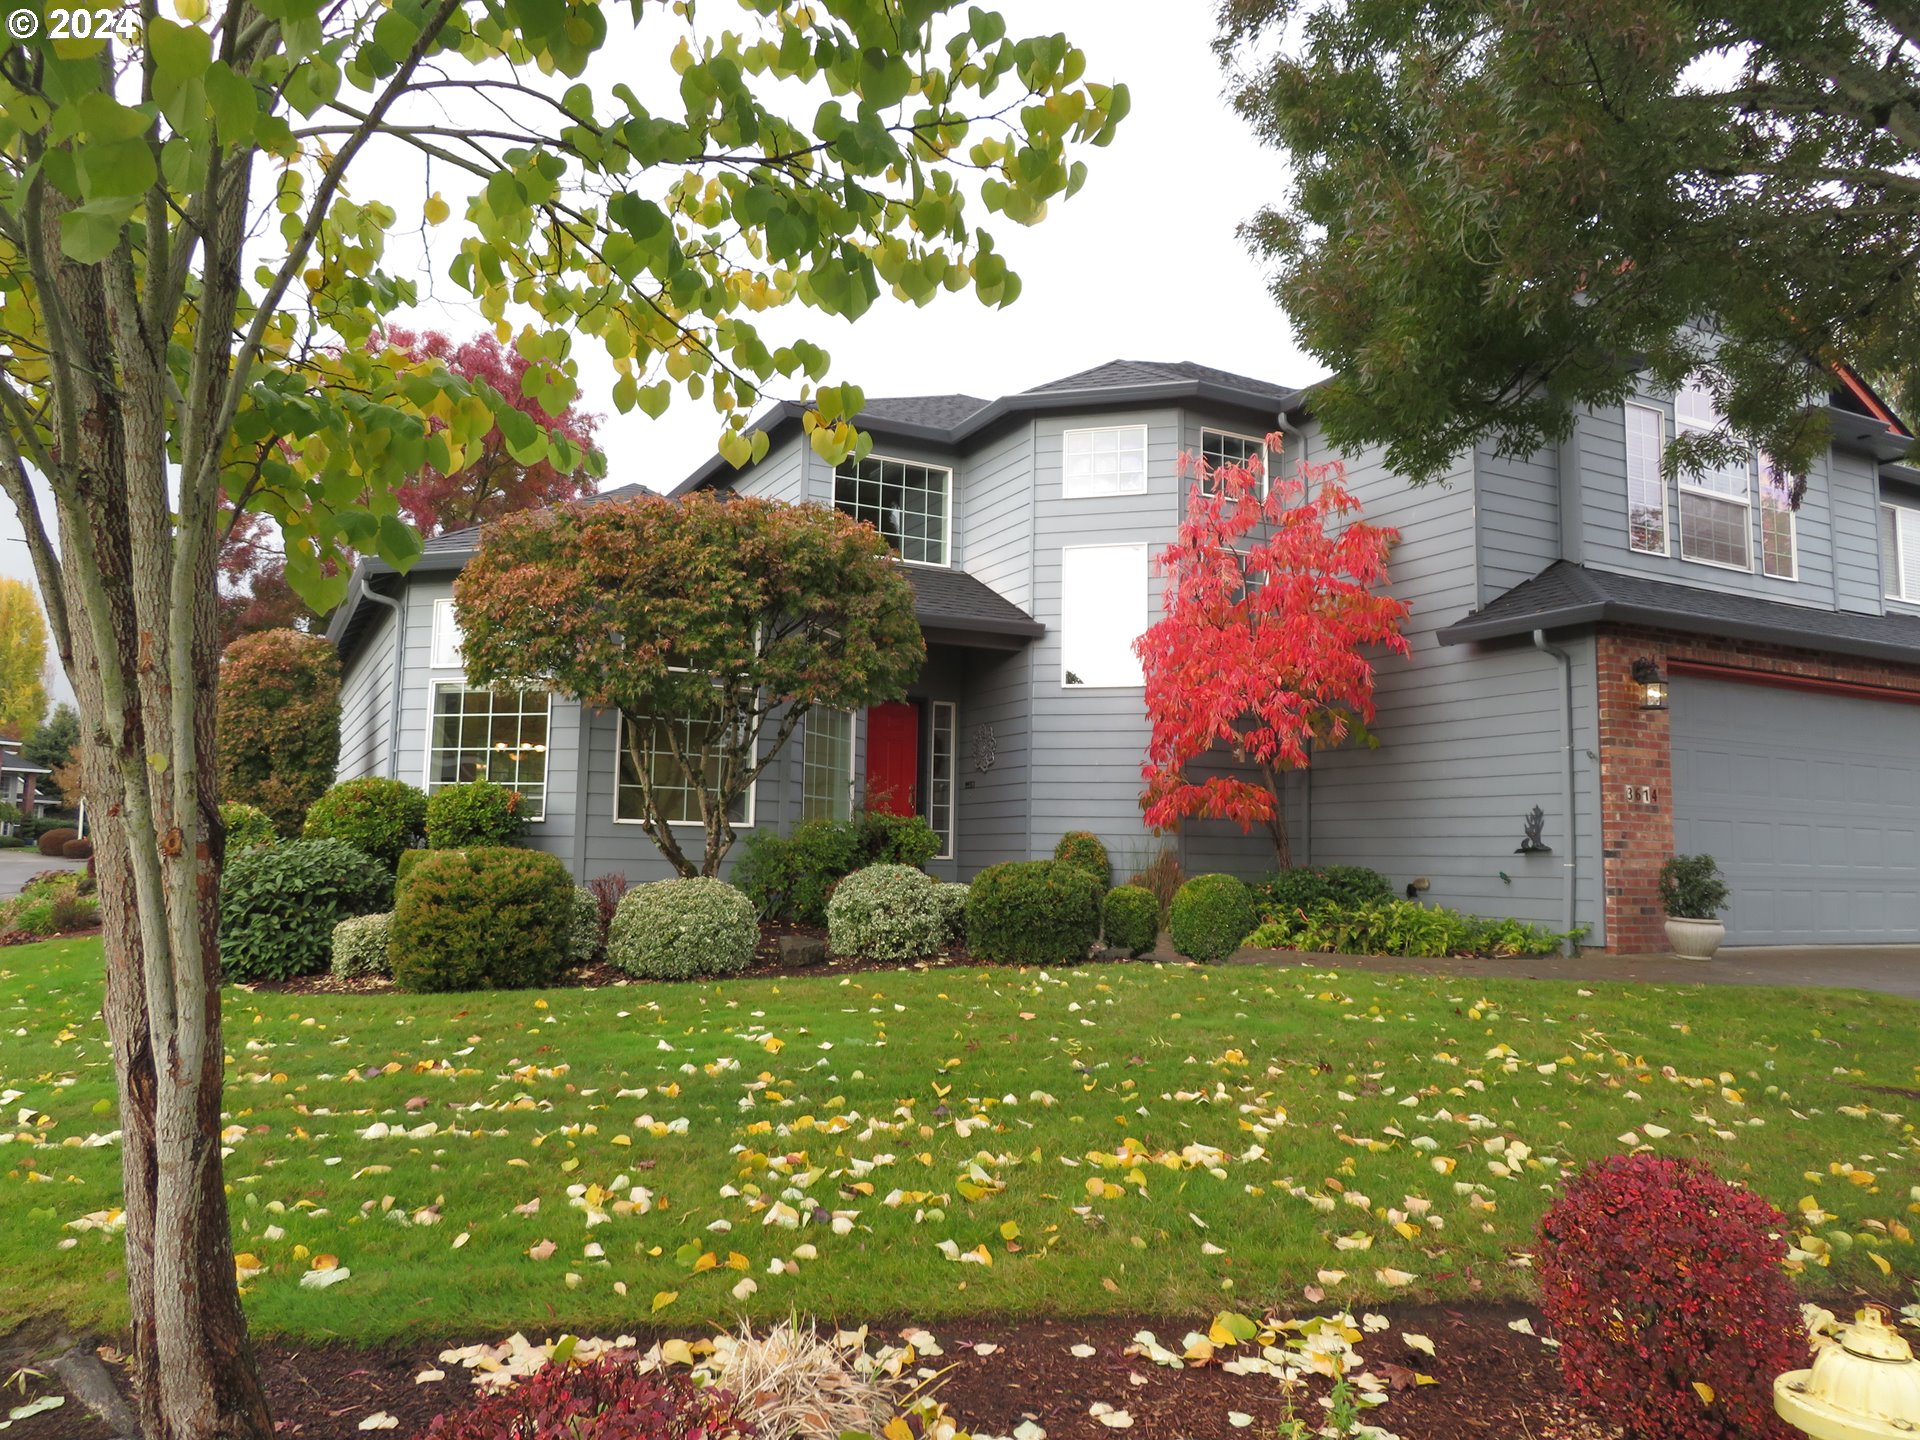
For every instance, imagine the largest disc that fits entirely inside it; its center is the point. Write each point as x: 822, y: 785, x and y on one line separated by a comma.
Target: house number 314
x: 1640, y: 794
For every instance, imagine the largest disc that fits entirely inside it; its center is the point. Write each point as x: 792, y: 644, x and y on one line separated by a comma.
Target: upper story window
x: 1111, y: 460
x: 1103, y: 610
x: 1646, y: 485
x: 1716, y: 504
x: 1779, y: 552
x: 909, y: 503
x: 1221, y: 448
x: 445, y: 647
x: 1900, y: 552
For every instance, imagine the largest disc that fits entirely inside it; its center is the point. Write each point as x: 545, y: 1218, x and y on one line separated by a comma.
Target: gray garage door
x: 1811, y: 804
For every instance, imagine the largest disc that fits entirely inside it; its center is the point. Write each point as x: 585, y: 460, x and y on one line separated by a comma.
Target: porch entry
x: 911, y: 762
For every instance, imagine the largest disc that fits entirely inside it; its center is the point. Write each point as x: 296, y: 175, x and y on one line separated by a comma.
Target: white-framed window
x: 909, y: 503
x: 677, y: 801
x: 496, y: 735
x: 1110, y: 460
x: 1779, y: 523
x: 1221, y: 448
x: 1716, y: 507
x: 1646, y: 484
x: 942, y: 762
x: 445, y: 645
x: 1103, y: 610
x: 1900, y: 551
x: 826, y: 765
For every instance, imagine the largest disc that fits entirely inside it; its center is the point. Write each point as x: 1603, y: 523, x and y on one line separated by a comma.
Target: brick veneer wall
x: 1636, y: 749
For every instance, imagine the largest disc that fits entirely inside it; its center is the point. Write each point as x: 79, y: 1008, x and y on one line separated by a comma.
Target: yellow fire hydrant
x: 1864, y: 1383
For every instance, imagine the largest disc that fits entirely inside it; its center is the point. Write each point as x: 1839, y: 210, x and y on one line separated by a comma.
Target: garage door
x: 1810, y: 801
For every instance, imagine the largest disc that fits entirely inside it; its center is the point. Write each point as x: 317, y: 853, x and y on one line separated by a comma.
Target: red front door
x: 893, y: 758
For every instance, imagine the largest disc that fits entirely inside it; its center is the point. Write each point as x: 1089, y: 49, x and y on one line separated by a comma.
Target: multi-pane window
x: 1777, y: 521
x: 1221, y: 448
x: 1646, y: 485
x: 1103, y: 610
x: 942, y: 744
x: 496, y: 735
x: 1111, y: 460
x: 905, y: 502
x: 827, y: 764
x: 1900, y: 551
x: 1715, y: 503
x: 675, y: 798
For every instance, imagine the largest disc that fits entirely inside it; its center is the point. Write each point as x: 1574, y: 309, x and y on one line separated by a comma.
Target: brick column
x: 1636, y: 795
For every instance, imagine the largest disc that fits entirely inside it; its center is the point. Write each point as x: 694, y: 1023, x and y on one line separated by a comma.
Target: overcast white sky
x: 1142, y: 264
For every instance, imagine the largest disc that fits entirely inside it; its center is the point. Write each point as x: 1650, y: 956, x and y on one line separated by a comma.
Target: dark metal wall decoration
x: 983, y: 747
x: 1531, y: 830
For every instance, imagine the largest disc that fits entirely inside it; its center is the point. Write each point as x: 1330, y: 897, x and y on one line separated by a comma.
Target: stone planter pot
x: 1694, y: 939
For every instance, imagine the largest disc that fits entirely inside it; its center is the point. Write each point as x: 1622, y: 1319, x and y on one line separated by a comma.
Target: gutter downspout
x: 399, y: 672
x: 1571, y: 865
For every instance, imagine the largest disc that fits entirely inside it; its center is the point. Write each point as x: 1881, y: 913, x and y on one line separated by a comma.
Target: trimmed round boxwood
x: 952, y: 902
x: 1211, y: 915
x: 78, y: 848
x: 680, y: 929
x: 885, y: 912
x: 1033, y: 912
x: 360, y: 946
x: 475, y: 813
x: 247, y: 826
x: 1084, y: 849
x: 385, y: 818
x: 490, y: 917
x: 54, y: 842
x: 1130, y: 919
x: 279, y: 904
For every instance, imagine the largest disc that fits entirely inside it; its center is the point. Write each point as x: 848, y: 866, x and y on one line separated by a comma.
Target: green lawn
x: 1125, y: 1139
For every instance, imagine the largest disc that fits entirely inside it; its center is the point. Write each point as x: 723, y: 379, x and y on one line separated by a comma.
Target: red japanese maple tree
x: 1275, y: 604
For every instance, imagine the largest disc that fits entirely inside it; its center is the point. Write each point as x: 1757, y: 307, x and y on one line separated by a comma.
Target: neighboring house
x: 1787, y: 644
x: 19, y: 784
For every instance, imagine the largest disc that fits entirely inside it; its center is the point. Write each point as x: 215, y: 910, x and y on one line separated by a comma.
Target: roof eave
x: 1621, y: 613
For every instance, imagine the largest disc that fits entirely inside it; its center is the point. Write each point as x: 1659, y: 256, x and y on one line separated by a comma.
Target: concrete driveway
x: 19, y: 866
x: 1886, y: 969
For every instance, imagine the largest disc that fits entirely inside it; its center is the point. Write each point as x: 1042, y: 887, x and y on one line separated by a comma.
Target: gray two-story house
x: 1654, y: 664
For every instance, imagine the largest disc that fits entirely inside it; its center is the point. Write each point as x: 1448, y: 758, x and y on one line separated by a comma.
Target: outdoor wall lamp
x: 1653, y: 685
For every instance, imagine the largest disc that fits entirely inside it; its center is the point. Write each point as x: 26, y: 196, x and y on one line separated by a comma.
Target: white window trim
x: 444, y: 621
x: 1266, y: 456
x: 1745, y: 501
x: 953, y: 774
x: 1145, y: 621
x: 946, y: 532
x: 434, y: 687
x: 1792, y: 577
x: 853, y: 756
x: 1660, y: 478
x: 1146, y: 462
x: 1900, y: 587
x: 620, y: 750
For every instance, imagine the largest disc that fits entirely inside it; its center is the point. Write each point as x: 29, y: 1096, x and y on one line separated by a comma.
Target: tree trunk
x: 1277, y: 823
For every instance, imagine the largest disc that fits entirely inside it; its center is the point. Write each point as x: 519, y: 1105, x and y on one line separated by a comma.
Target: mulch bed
x: 1491, y: 1383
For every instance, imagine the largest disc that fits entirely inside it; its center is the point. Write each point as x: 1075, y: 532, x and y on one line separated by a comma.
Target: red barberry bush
x: 1664, y: 1286
x: 607, y: 1400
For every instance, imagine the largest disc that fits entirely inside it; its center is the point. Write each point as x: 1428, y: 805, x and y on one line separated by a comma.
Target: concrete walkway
x: 1886, y: 969
x: 19, y: 866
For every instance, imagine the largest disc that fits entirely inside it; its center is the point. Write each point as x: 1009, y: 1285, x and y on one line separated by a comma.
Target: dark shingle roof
x: 954, y: 600
x: 1125, y: 374
x: 1566, y: 595
x: 939, y: 411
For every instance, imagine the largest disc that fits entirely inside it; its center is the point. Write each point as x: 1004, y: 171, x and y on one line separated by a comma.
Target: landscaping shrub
x: 247, y: 826
x: 1290, y: 893
x: 1211, y: 916
x: 12, y: 842
x: 1402, y: 927
x: 1664, y: 1286
x: 1033, y: 912
x: 1162, y: 878
x: 951, y: 900
x: 54, y: 902
x: 360, y: 946
x: 72, y: 911
x: 78, y: 848
x: 885, y: 912
x: 1083, y: 849
x: 53, y: 842
x: 607, y: 890
x: 607, y: 1400
x: 789, y: 877
x: 475, y: 813
x: 584, y: 936
x: 489, y: 917
x: 1691, y: 887
x: 1130, y: 919
x: 279, y: 722
x: 385, y: 818
x: 678, y: 929
x: 279, y: 904
x: 894, y: 839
